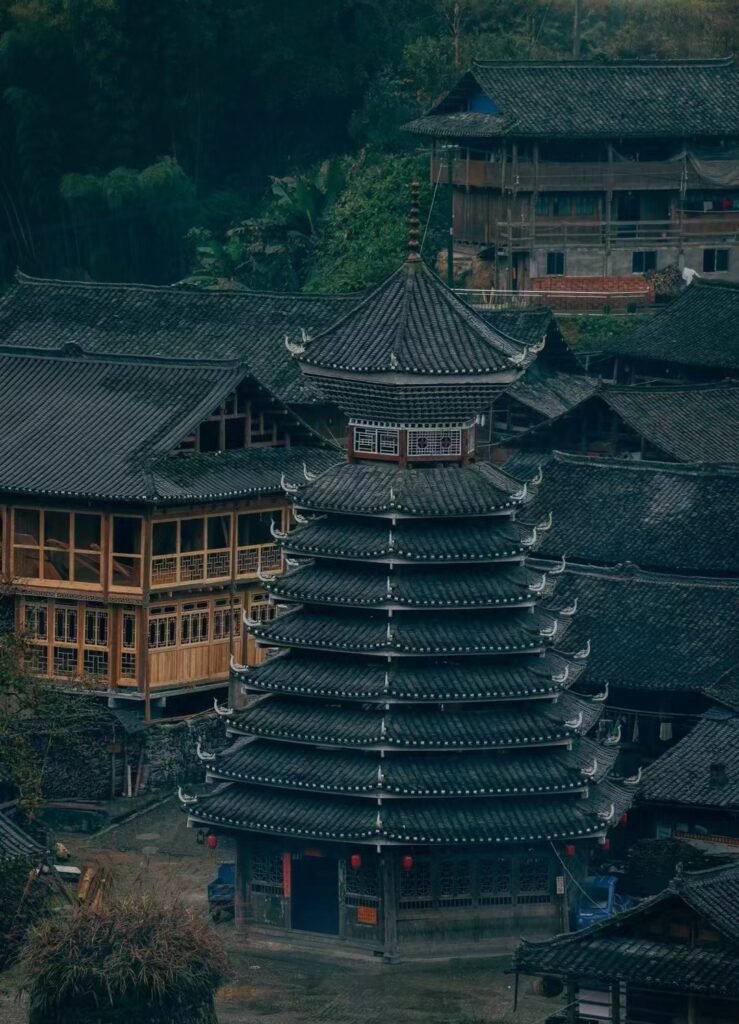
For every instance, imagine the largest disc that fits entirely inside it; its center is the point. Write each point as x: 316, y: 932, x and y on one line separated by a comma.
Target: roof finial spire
x: 413, y: 224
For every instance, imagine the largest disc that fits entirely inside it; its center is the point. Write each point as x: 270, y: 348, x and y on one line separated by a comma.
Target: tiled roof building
x: 572, y: 178
x: 415, y: 744
x: 675, y: 953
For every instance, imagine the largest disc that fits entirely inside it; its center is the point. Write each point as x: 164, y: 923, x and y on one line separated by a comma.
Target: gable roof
x: 682, y: 775
x: 608, y: 950
x: 552, y: 393
x: 699, y: 328
x: 691, y: 422
x: 660, y: 515
x: 92, y: 427
x: 169, y: 323
x: 412, y: 324
x: 652, y: 632
x: 591, y: 98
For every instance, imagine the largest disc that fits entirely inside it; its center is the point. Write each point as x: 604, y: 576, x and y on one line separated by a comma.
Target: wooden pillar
x: 240, y: 884
x: 389, y: 906
x: 692, y: 1018
x: 571, y: 996
x: 615, y: 1003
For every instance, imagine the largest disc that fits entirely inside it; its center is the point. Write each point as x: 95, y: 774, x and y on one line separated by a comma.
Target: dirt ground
x: 274, y: 985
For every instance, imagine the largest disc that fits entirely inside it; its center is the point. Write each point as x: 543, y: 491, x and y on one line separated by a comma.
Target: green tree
x: 365, y: 235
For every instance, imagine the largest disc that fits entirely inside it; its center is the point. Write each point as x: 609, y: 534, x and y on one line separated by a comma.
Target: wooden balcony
x: 214, y: 565
x: 710, y: 229
x: 620, y: 175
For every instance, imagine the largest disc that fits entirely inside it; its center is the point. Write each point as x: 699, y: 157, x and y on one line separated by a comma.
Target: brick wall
x: 577, y: 293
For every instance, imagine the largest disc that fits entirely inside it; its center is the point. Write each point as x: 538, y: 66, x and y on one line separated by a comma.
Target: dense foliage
x: 133, y: 959
x: 124, y: 125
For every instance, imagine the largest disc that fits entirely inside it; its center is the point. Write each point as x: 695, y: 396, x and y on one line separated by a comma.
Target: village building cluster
x: 462, y: 596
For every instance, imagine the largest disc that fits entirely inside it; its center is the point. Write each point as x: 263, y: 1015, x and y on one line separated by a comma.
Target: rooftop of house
x: 14, y: 842
x: 699, y: 329
x: 90, y: 427
x: 689, y: 422
x: 702, y: 770
x: 169, y: 323
x: 614, y: 950
x: 651, y: 632
x: 665, y: 516
x: 589, y: 99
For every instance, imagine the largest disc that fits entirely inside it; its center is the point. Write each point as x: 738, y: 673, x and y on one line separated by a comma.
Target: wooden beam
x: 389, y: 906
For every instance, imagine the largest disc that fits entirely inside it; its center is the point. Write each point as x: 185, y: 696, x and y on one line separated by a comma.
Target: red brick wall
x: 615, y: 292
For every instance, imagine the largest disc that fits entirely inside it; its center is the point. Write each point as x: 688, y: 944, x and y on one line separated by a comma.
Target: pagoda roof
x: 676, y: 517
x: 257, y: 809
x: 527, y: 326
x: 537, y: 723
x: 412, y: 324
x: 413, y: 587
x: 613, y: 949
x: 261, y: 762
x: 328, y: 678
x: 430, y: 633
x: 409, y: 541
x: 363, y: 488
x: 697, y: 329
x: 653, y: 632
x: 682, y: 775
x: 170, y: 323
x: 14, y: 842
x: 691, y: 422
x: 591, y: 99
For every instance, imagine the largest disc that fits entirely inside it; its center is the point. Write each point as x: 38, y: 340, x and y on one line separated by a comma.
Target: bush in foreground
x: 135, y: 959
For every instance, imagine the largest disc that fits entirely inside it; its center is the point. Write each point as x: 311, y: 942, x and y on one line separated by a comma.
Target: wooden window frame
x: 113, y: 555
x: 178, y: 555
x: 267, y: 558
x: 71, y: 549
x: 57, y: 643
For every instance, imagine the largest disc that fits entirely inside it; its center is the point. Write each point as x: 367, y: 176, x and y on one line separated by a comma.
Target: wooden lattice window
x: 266, y: 874
x: 416, y: 892
x: 436, y: 442
x: 192, y: 549
x: 67, y: 639
x: 495, y: 885
x: 256, y: 549
x: 226, y: 619
x: 163, y: 627
x: 195, y: 623
x: 455, y: 883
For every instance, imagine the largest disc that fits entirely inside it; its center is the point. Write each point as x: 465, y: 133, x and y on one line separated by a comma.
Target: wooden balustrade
x: 195, y: 566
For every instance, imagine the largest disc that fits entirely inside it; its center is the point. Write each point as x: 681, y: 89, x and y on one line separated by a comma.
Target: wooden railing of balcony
x: 600, y: 176
x: 212, y: 566
x: 718, y: 228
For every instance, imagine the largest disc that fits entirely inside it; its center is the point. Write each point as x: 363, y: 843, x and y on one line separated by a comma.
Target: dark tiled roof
x: 546, y: 99
x: 552, y: 393
x: 139, y: 410
x: 232, y: 474
x: 336, y: 771
x: 412, y: 324
x: 14, y: 842
x: 435, y: 542
x: 682, y: 774
x: 407, y: 586
x: 698, y: 329
x: 460, y: 124
x: 725, y: 691
x: 653, y: 632
x: 637, y: 961
x: 611, y: 949
x: 691, y: 423
x: 373, y: 489
x: 527, y: 326
x: 425, y: 821
x: 170, y: 323
x: 536, y: 723
x: 658, y: 515
x: 393, y: 403
x: 319, y: 676
x: 430, y: 634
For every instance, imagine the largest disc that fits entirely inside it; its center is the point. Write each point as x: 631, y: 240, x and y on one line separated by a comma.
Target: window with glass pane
x: 164, y: 538
x: 254, y: 527
x: 126, y: 557
x: 27, y: 542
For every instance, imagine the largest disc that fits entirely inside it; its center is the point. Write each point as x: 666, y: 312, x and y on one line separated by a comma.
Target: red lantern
x: 605, y: 842
x: 406, y: 862
x: 570, y: 850
x: 356, y: 861
x: 624, y: 819
x: 212, y: 841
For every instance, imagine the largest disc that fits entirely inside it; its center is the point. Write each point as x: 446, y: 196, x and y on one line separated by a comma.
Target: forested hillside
x: 253, y: 142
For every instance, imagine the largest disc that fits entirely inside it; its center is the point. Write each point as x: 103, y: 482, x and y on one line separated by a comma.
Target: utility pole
x: 576, y: 30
